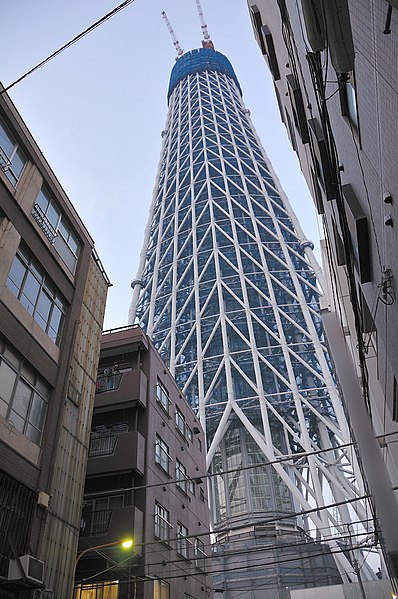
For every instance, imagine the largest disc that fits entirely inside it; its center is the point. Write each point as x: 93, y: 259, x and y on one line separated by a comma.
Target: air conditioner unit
x: 32, y: 568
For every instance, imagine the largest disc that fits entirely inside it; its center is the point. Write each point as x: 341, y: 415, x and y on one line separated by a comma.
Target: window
x: 200, y: 555
x: 12, y: 159
x: 348, y: 100
x: 37, y: 294
x: 181, y: 476
x: 191, y: 486
x: 162, y: 454
x: 182, y: 541
x: 56, y: 228
x: 188, y: 433
x: 161, y: 589
x: 322, y: 159
x: 162, y: 523
x: 359, y: 230
x: 180, y: 422
x: 270, y: 52
x: 162, y: 396
x: 298, y: 109
x: 182, y: 426
x: 97, y: 590
x: 23, y: 395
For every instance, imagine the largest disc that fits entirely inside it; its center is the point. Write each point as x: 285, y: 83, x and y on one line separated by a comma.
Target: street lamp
x: 125, y: 544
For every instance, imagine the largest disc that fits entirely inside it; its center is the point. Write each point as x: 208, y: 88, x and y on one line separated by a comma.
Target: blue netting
x: 197, y: 61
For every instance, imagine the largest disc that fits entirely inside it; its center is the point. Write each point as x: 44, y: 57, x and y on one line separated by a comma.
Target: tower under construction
x: 228, y: 289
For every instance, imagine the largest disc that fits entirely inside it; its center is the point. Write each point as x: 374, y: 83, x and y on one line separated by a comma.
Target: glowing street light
x: 125, y: 544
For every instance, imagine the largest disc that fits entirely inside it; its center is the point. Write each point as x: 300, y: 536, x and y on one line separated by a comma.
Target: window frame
x: 182, y: 540
x: 162, y: 449
x: 38, y: 388
x: 349, y: 101
x: 163, y: 527
x: 199, y: 553
x: 181, y: 476
x: 163, y: 397
x: 8, y: 158
x: 59, y: 232
x: 46, y: 292
x: 159, y: 586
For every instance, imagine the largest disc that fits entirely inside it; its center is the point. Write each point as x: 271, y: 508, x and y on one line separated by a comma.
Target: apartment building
x: 334, y: 68
x: 145, y: 482
x: 52, y: 297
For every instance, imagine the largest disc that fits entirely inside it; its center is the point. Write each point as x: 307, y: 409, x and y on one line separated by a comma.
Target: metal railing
x: 44, y: 223
x: 108, y: 382
x: 95, y: 523
x: 102, y: 445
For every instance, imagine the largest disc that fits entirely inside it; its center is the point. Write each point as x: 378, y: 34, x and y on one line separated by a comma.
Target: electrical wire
x: 210, y: 475
x: 259, y: 522
x: 69, y: 44
x: 258, y: 564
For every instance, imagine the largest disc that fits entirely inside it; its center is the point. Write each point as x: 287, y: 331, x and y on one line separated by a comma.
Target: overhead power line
x: 70, y: 43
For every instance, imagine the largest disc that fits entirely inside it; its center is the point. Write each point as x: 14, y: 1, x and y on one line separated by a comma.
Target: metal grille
x: 16, y: 509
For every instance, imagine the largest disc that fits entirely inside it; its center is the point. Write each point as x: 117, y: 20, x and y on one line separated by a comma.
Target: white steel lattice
x: 228, y: 292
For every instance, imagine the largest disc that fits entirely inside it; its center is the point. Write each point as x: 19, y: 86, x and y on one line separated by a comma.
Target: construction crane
x: 176, y: 43
x: 206, y: 42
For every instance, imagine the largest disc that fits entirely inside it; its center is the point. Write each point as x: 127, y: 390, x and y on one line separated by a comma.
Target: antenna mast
x: 206, y: 42
x: 176, y: 43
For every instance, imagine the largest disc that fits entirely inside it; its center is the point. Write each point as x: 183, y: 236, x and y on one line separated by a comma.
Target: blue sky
x: 98, y: 109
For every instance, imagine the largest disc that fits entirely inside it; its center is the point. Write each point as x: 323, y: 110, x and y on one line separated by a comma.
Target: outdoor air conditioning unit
x: 33, y: 569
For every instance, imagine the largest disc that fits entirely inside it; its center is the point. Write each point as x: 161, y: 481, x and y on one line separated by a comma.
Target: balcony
x: 110, y: 524
x: 111, y: 452
x: 108, y: 382
x: 125, y: 387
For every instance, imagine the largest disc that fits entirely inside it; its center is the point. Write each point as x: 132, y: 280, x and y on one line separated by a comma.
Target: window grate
x: 44, y: 223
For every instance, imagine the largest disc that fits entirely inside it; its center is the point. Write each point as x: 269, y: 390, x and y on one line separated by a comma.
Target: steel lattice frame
x: 228, y: 292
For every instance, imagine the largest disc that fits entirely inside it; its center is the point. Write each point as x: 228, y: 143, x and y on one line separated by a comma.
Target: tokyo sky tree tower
x: 227, y: 290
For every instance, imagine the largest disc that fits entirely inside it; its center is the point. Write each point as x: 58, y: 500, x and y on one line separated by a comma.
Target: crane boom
x: 206, y: 42
x: 176, y: 43
x: 203, y: 25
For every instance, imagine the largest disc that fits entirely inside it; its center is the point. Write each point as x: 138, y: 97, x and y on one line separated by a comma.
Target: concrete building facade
x: 334, y: 67
x: 144, y: 482
x: 52, y: 298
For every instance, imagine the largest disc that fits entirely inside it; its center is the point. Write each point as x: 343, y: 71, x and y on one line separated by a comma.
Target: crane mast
x: 176, y: 43
x: 206, y: 42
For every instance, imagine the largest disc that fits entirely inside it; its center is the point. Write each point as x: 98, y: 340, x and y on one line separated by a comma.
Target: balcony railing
x: 102, y: 445
x: 108, y: 382
x: 44, y: 223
